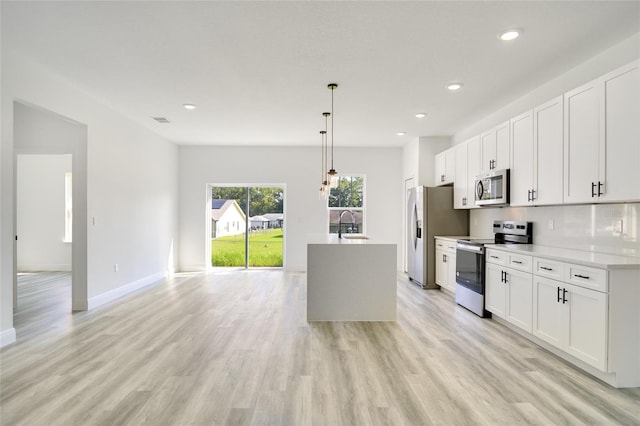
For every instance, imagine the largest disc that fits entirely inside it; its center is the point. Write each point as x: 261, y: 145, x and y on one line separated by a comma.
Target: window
x: 349, y: 195
x: 68, y: 208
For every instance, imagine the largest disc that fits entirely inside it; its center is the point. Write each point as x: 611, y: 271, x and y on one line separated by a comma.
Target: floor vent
x: 161, y: 119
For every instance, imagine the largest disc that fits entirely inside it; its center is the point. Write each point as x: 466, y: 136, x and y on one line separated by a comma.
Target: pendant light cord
x: 332, y: 90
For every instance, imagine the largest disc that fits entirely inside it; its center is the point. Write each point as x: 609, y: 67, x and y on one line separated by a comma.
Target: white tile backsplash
x: 584, y: 227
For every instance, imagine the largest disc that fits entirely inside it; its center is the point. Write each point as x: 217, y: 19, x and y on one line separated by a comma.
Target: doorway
x: 408, y: 184
x: 45, y: 134
x: 246, y: 226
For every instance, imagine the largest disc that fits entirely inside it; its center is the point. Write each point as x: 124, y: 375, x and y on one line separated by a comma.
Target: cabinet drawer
x: 450, y: 247
x: 497, y: 257
x: 584, y: 276
x: 548, y: 268
x: 440, y: 244
x: 521, y: 263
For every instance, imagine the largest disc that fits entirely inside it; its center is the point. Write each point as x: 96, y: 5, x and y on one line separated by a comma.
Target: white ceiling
x: 258, y: 71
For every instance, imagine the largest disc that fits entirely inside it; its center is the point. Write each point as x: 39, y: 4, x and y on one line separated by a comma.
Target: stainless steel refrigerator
x: 430, y: 212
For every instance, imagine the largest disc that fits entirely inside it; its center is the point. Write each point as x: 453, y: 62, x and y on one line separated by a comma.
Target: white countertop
x: 333, y: 239
x: 581, y: 257
x: 450, y: 237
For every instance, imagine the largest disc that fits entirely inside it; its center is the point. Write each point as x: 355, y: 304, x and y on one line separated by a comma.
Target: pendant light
x: 332, y: 175
x: 324, y: 188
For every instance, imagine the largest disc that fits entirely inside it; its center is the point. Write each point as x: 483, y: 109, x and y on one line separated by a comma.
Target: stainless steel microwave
x: 492, y: 189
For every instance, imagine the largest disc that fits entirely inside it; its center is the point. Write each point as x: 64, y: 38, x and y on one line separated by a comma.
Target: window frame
x: 362, y: 209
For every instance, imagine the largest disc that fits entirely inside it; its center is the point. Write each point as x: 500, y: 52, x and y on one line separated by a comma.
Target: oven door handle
x: 468, y: 247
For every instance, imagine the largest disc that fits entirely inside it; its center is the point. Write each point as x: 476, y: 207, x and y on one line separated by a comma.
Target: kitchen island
x: 351, y: 279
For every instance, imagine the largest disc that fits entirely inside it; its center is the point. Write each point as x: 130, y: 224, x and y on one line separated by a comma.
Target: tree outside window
x: 349, y: 195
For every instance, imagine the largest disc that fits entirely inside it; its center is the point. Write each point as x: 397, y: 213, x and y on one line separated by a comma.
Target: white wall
x: 40, y: 213
x: 298, y: 169
x: 131, y: 187
x: 418, y: 158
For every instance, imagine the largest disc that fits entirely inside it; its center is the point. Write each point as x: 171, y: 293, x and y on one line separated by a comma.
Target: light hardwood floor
x: 234, y: 347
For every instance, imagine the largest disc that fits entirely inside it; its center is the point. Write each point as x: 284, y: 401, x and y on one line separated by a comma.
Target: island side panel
x: 351, y: 282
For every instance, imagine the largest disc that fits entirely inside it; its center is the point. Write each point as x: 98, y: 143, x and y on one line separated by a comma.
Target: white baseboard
x: 192, y: 268
x: 109, y: 296
x: 7, y: 337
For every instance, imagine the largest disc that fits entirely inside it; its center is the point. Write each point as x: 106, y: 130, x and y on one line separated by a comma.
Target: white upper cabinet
x: 536, y: 155
x: 523, y: 160
x: 461, y: 181
x: 602, y: 139
x: 474, y: 166
x: 619, y: 152
x: 445, y: 167
x: 548, y: 134
x: 495, y: 148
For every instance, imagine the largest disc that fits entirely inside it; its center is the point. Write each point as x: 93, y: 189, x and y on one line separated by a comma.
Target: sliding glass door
x: 247, y: 226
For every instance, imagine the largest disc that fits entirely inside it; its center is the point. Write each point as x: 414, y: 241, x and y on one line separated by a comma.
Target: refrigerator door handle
x: 414, y: 225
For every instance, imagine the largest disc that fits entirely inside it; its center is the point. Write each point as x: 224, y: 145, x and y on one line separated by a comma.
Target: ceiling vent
x: 161, y: 119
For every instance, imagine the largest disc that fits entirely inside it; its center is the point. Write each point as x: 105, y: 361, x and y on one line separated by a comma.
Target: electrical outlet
x: 617, y: 226
x: 115, y: 267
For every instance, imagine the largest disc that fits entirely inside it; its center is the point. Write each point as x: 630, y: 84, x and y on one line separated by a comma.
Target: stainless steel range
x: 470, y: 258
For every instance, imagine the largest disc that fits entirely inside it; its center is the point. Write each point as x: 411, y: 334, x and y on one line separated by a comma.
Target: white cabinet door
x: 474, y: 158
x: 519, y: 298
x: 572, y: 318
x: 620, y: 136
x: 586, y: 330
x: 488, y: 151
x: 548, y: 137
x: 449, y: 165
x: 440, y: 169
x: 461, y: 181
x: 495, y: 148
x: 441, y: 269
x: 581, y: 121
x: 523, y: 160
x: 548, y: 312
x: 495, y: 291
x: 503, y: 156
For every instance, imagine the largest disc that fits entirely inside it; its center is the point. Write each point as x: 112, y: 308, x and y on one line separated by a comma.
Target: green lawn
x: 265, y: 249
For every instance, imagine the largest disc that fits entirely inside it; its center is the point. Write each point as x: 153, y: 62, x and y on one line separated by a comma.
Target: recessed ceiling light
x: 510, y: 34
x: 401, y: 133
x: 421, y: 115
x: 454, y: 86
x: 189, y: 106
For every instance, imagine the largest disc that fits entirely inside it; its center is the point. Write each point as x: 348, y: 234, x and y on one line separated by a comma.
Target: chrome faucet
x: 353, y: 221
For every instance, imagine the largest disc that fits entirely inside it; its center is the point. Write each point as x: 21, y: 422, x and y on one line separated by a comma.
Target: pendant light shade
x: 332, y: 175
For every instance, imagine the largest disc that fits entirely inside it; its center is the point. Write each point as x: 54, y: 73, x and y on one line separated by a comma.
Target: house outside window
x: 349, y: 195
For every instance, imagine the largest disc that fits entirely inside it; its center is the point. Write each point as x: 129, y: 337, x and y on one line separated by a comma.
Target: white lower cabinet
x: 508, y: 291
x: 446, y: 264
x: 572, y: 318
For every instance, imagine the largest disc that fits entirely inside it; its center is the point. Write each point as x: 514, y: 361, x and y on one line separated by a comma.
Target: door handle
x: 444, y: 258
x: 564, y: 293
x: 558, y: 294
x: 533, y: 195
x: 593, y: 189
x: 529, y: 195
x: 600, y: 189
